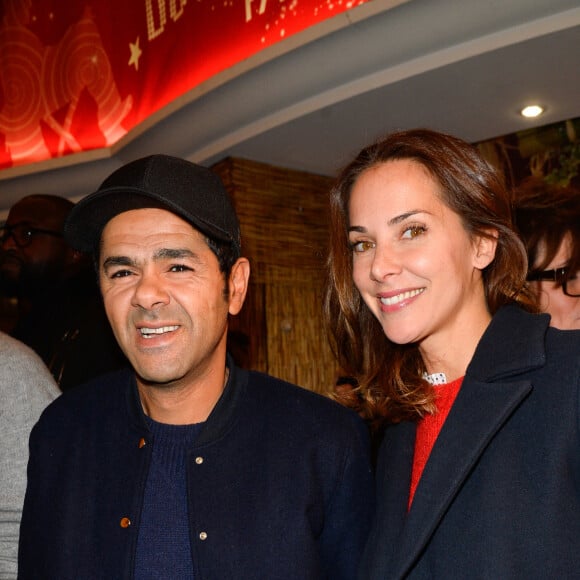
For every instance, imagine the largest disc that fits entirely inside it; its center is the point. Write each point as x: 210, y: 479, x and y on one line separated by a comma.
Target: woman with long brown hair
x: 479, y: 470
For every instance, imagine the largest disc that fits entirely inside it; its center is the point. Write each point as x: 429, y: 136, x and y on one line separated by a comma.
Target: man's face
x: 44, y: 258
x: 165, y: 296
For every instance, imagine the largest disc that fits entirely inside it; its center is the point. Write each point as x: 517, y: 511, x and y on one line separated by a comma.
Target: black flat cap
x: 191, y: 191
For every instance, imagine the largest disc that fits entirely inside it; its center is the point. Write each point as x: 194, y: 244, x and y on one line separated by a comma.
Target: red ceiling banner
x: 78, y: 75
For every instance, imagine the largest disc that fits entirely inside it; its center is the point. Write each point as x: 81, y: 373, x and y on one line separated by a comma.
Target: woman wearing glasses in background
x: 478, y: 473
x: 548, y: 219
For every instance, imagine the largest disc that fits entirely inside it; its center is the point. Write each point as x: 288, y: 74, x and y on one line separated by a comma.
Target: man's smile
x: 147, y: 332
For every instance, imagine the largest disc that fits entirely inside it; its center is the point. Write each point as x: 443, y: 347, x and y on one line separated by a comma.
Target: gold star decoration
x: 135, y: 53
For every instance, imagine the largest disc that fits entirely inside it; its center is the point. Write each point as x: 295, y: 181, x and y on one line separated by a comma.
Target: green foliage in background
x: 565, y: 166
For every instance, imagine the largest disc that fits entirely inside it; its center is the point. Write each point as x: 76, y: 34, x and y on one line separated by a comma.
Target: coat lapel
x: 479, y: 412
x: 397, y: 455
x: 393, y: 480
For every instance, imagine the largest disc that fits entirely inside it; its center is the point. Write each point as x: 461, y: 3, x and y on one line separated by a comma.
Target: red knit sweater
x: 428, y: 430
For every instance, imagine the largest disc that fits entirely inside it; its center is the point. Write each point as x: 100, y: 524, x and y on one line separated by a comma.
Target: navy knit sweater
x: 163, y: 546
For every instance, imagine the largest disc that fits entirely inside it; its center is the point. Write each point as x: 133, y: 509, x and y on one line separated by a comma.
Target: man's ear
x: 485, y: 247
x: 238, y: 285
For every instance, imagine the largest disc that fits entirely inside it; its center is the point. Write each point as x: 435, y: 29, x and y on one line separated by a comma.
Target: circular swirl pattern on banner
x: 21, y: 66
x: 79, y: 61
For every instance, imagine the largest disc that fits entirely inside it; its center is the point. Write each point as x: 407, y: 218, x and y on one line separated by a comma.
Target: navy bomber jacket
x: 279, y: 484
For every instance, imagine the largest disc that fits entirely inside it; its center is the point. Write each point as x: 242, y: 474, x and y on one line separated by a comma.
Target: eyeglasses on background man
x: 23, y: 234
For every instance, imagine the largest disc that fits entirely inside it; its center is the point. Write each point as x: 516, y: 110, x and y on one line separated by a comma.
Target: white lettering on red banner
x: 157, y: 19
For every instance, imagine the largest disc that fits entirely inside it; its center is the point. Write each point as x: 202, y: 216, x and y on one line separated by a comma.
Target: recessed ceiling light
x: 532, y: 111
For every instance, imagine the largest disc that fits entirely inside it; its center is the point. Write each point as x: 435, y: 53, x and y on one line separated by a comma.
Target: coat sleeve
x: 349, y: 514
x: 31, y: 526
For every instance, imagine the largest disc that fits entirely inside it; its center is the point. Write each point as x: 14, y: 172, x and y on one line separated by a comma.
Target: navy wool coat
x: 279, y: 484
x: 500, y: 495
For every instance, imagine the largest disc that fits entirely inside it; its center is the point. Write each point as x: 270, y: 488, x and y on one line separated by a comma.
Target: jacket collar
x: 514, y: 341
x: 225, y: 412
x: 220, y: 419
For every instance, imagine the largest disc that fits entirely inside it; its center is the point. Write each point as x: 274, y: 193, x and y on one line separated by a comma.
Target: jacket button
x: 203, y: 536
x: 142, y: 442
x: 125, y: 522
x: 199, y: 460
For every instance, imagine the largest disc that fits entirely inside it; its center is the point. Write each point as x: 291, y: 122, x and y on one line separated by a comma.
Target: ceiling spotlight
x: 532, y: 111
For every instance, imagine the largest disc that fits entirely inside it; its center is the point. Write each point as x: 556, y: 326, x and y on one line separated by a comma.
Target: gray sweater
x: 26, y: 387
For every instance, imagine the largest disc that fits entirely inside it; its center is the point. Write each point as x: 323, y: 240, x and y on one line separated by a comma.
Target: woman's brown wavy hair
x: 389, y: 376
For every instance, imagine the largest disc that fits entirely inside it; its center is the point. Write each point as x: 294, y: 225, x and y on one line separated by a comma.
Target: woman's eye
x: 360, y: 247
x: 411, y: 232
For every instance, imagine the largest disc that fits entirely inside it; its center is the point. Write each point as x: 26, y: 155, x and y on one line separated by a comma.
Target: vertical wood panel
x: 284, y: 222
x: 297, y: 346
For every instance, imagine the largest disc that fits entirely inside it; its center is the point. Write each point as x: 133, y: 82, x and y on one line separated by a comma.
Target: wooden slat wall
x: 284, y: 222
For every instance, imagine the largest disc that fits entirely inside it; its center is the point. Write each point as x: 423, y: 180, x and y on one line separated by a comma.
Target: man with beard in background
x: 60, y: 312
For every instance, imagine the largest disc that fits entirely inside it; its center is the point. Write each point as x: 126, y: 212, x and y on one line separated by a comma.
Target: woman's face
x: 564, y: 310
x: 414, y: 264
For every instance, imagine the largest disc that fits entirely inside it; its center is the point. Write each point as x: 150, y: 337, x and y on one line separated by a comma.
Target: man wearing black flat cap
x: 186, y: 466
